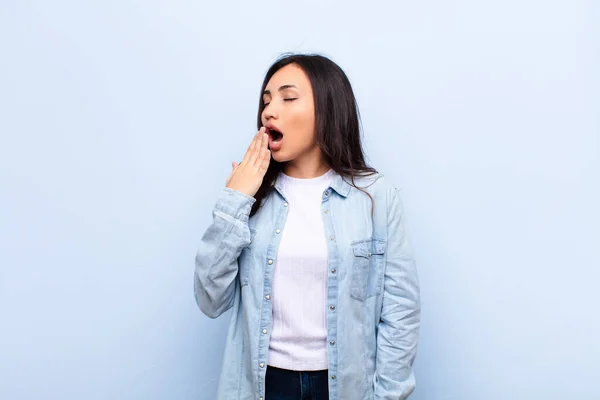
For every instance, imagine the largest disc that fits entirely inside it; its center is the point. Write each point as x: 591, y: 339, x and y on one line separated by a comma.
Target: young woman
x: 308, y: 247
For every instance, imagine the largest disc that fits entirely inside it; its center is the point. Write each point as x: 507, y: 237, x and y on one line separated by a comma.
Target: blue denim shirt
x: 373, y: 308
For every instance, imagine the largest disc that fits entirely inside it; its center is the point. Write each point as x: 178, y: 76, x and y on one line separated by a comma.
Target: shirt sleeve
x: 398, y: 328
x: 217, y: 255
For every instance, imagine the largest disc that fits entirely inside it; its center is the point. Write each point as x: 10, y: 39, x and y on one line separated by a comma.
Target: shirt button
x: 260, y: 398
x: 333, y: 270
x: 264, y: 331
x: 331, y: 237
x: 262, y: 365
x: 285, y: 204
x: 326, y: 211
x: 332, y: 308
x: 332, y: 342
x: 270, y: 262
x: 278, y: 230
x: 333, y: 377
x: 268, y: 296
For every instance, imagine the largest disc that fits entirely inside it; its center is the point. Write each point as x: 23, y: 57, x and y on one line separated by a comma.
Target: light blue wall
x: 119, y: 121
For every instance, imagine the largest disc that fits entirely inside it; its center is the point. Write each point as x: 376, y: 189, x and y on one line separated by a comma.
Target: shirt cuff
x: 235, y: 203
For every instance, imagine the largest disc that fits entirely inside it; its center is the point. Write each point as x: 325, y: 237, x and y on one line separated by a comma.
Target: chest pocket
x: 245, y: 260
x: 368, y: 263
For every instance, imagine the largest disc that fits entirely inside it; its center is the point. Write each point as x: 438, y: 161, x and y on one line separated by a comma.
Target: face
x: 290, y: 110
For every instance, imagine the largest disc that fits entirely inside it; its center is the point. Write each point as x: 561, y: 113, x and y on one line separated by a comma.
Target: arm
x: 398, y: 328
x: 218, y: 252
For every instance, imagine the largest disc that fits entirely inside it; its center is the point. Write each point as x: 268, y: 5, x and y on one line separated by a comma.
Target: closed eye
x: 266, y: 104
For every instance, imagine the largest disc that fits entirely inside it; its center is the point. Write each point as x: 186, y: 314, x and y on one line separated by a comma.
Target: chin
x: 280, y: 158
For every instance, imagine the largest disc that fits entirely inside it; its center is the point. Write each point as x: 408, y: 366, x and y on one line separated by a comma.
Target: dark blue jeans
x: 283, y: 384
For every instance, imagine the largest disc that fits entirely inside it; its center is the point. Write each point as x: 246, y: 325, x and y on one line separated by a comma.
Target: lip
x: 270, y: 126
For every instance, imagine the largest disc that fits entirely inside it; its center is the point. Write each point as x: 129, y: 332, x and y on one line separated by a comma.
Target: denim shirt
x: 373, y: 307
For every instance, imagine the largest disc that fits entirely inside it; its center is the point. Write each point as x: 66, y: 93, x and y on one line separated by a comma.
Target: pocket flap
x: 368, y: 247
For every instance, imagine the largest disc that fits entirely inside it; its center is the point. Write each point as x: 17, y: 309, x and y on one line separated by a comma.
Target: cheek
x: 303, y: 120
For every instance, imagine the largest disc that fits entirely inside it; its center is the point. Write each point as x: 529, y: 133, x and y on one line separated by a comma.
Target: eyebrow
x: 281, y: 88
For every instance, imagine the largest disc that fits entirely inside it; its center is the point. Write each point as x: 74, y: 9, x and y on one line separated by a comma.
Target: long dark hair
x: 337, y: 120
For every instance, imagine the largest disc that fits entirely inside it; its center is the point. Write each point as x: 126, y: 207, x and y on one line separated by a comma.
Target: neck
x: 305, y: 167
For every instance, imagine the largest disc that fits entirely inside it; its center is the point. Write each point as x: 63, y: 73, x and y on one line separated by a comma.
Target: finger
x: 265, y: 154
x: 255, y: 154
x: 266, y: 160
x: 250, y: 149
x: 261, y: 148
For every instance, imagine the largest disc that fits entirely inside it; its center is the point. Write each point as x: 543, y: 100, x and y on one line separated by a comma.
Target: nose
x: 270, y: 112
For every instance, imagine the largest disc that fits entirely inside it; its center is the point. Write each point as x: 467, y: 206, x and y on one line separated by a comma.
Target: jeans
x: 284, y: 384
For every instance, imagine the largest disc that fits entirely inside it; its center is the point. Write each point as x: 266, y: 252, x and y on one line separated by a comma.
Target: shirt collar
x: 338, y: 183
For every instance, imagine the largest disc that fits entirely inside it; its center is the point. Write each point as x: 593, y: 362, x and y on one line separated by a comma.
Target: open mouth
x: 275, y: 135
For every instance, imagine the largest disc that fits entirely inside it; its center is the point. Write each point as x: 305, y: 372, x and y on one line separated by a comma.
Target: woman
x: 308, y: 247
